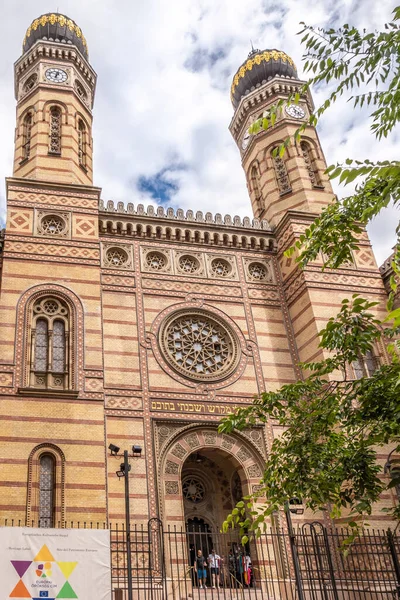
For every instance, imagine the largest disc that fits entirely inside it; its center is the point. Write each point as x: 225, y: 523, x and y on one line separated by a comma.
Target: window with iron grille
x: 27, y: 134
x: 365, y: 365
x: 82, y: 143
x: 55, y: 130
x: 309, y: 161
x: 49, y: 345
x: 46, y: 490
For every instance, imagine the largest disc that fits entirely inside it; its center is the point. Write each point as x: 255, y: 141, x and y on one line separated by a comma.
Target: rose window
x: 189, y: 264
x: 53, y: 225
x: 116, y: 257
x: 193, y: 490
x: 258, y: 271
x: 156, y: 261
x: 220, y: 267
x: 199, y: 346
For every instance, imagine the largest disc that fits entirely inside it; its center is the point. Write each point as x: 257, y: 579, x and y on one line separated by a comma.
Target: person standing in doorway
x: 201, y: 570
x: 214, y: 562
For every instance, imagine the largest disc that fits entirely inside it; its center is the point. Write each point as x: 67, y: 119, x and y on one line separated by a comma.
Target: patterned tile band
x: 53, y: 19
x: 257, y: 60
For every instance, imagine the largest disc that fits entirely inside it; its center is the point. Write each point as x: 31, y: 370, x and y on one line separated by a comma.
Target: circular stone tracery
x: 193, y: 489
x: 116, y: 257
x: 189, y: 264
x: 199, y: 346
x: 53, y: 225
x: 221, y: 267
x: 258, y: 271
x: 156, y: 261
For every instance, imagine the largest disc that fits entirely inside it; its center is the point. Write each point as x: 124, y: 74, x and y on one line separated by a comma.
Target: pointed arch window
x: 55, y: 130
x: 82, y: 142
x: 281, y: 173
x: 309, y: 160
x: 26, y: 136
x: 46, y: 490
x: 49, y: 345
x: 365, y: 365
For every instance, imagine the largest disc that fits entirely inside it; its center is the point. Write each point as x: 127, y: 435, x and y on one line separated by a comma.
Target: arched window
x: 49, y: 344
x: 45, y: 502
x: 255, y: 188
x: 82, y: 143
x: 281, y: 173
x: 55, y: 130
x: 309, y: 160
x: 26, y: 136
x: 46, y: 490
x: 365, y: 365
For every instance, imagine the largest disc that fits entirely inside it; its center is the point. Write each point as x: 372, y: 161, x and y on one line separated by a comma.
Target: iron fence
x: 308, y: 565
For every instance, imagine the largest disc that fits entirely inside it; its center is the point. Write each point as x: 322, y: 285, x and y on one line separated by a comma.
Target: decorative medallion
x: 117, y: 257
x: 220, y: 267
x: 193, y: 490
x: 188, y: 264
x: 258, y: 270
x: 52, y: 225
x: 199, y: 345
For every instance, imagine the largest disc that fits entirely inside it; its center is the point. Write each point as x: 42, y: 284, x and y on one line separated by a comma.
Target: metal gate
x: 367, y: 570
x: 307, y: 564
x: 147, y: 560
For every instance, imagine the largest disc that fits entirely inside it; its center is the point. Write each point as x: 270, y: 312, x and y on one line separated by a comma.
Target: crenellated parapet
x: 178, y: 225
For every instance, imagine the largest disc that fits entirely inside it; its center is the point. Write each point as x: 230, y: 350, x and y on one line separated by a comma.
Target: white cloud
x: 154, y: 109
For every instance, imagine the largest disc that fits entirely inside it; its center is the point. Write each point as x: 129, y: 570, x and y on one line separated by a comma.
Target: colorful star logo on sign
x: 43, y: 568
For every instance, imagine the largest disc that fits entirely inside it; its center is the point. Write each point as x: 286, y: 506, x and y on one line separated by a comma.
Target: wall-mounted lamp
x: 296, y: 506
x: 113, y: 449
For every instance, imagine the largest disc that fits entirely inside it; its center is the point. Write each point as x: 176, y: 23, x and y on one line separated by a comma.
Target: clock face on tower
x: 295, y: 111
x: 56, y: 75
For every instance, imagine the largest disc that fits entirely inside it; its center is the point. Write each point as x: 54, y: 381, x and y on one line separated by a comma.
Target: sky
x: 162, y: 107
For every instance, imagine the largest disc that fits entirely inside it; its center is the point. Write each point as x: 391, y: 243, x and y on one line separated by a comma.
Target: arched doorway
x: 211, y: 486
x: 203, y: 474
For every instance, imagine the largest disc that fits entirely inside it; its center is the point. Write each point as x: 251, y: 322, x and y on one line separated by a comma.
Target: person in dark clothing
x: 200, y: 567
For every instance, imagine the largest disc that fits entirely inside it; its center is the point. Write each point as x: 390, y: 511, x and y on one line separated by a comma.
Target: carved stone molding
x: 171, y: 487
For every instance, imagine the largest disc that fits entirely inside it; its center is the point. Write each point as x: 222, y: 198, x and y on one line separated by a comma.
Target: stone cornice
x: 45, y: 187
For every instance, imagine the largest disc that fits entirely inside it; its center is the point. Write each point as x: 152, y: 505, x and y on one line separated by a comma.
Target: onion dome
x: 55, y: 28
x: 260, y: 66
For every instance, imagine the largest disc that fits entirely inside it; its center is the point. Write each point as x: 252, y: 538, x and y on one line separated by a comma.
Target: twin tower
x: 130, y: 326
x: 55, y: 89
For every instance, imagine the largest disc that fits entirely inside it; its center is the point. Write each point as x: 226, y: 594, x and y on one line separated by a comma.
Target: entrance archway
x: 202, y: 474
x: 229, y: 458
x: 211, y: 483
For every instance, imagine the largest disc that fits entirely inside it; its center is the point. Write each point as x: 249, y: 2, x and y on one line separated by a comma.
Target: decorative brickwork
x: 164, y: 321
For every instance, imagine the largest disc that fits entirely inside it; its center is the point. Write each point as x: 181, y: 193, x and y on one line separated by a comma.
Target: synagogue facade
x: 130, y: 326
